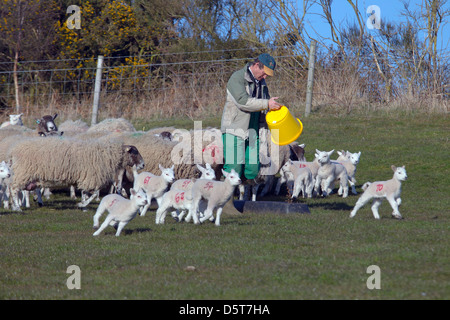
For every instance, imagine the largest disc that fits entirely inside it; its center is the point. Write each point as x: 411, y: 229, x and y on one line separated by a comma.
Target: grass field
x: 322, y: 255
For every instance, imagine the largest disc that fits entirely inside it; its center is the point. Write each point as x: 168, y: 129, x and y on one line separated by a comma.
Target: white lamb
x: 153, y: 185
x: 216, y: 193
x: 14, y: 119
x: 349, y: 161
x: 5, y: 174
x: 288, y: 177
x: 378, y: 190
x: 121, y: 210
x: 303, y: 180
x: 174, y: 199
x: 328, y: 173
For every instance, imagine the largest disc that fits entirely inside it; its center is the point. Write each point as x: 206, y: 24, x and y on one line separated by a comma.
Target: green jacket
x: 240, y: 104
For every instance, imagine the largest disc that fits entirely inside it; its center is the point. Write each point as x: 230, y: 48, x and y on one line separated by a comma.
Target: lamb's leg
x: 145, y: 208
x: 104, y: 225
x: 396, y: 214
x: 254, y: 191
x: 326, y: 186
x: 296, y: 190
x: 352, y: 183
x: 218, y: 214
x: 122, y: 224
x: 208, y: 214
x: 15, y: 196
x: 241, y: 191
x: 85, y: 203
x: 361, y: 202
x: 317, y: 184
x: 375, y: 205
x: 100, y: 210
x: 73, y: 194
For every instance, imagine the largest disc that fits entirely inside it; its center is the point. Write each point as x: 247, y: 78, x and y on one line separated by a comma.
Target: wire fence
x: 189, y: 85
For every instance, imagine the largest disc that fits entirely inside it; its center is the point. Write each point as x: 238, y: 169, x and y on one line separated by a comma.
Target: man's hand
x: 273, y: 105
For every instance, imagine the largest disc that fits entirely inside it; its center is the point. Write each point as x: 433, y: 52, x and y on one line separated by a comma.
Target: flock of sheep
x: 112, y: 155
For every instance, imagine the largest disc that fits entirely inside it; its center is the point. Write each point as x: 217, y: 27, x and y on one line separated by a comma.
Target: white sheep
x: 288, y: 177
x: 349, y: 161
x: 379, y: 190
x: 303, y: 180
x: 90, y: 165
x: 155, y: 186
x: 121, y: 210
x: 174, y: 199
x: 216, y: 193
x: 328, y: 173
x: 14, y: 119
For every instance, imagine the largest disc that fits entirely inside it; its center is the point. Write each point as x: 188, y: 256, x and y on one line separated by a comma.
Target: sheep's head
x: 5, y: 171
x: 47, y: 123
x: 140, y: 197
x: 207, y: 172
x: 133, y: 157
x: 167, y: 173
x: 16, y: 119
x: 399, y: 173
x: 353, y: 157
x: 323, y: 156
x: 233, y: 177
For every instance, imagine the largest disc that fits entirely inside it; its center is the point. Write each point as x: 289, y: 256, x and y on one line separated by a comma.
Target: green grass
x: 323, y: 255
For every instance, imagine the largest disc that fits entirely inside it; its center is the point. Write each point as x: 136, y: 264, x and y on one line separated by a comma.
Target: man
x: 247, y: 102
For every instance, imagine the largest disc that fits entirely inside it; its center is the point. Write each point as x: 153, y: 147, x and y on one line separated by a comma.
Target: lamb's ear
x: 208, y: 166
x: 317, y: 151
x: 302, y: 145
x: 54, y: 117
x: 403, y: 166
x: 339, y: 153
x: 225, y: 174
x: 132, y: 191
x: 331, y: 152
x: 199, y: 167
x: 172, y: 167
x: 359, y: 153
x: 393, y: 168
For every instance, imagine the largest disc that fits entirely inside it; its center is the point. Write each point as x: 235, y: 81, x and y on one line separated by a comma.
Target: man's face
x: 258, y: 73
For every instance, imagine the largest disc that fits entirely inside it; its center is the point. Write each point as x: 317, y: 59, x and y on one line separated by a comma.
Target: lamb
x: 121, y: 210
x: 174, y: 199
x: 217, y: 194
x: 14, y: 119
x: 349, y: 161
x: 288, y: 177
x: 303, y: 180
x: 328, y: 173
x: 5, y: 174
x: 89, y: 165
x: 153, y: 185
x: 378, y: 190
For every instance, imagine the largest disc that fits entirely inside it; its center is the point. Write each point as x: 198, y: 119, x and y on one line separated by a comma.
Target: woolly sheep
x: 328, y: 173
x: 349, y: 161
x: 153, y: 185
x: 14, y: 120
x: 216, y: 193
x: 72, y: 128
x: 379, y: 190
x: 121, y: 210
x: 90, y: 165
x: 303, y: 180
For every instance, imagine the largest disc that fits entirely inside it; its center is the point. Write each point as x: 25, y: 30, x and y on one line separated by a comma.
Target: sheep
x: 121, y: 210
x: 153, y: 185
x: 328, y: 172
x: 186, y: 184
x: 288, y: 177
x: 14, y: 119
x: 216, y: 193
x: 174, y: 199
x: 349, y: 161
x: 378, y: 190
x: 303, y: 180
x: 90, y: 165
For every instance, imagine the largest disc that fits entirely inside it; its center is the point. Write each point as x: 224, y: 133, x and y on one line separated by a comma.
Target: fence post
x: 310, y: 85
x: 98, y: 85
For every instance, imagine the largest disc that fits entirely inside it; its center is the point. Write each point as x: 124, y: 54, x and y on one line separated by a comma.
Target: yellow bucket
x: 284, y: 128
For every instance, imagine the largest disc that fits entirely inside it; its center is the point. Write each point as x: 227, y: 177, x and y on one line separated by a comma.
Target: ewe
x: 14, y: 119
x: 121, y: 210
x: 378, y: 190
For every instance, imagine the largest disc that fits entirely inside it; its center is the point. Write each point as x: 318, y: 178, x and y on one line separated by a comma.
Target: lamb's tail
x: 366, y: 185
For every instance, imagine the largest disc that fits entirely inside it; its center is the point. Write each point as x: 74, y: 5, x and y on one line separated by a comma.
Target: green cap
x: 269, y: 63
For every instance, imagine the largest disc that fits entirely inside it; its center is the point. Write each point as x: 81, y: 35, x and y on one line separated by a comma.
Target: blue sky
x: 389, y: 9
